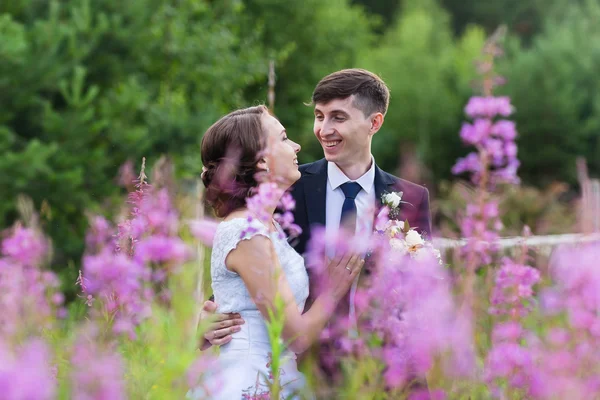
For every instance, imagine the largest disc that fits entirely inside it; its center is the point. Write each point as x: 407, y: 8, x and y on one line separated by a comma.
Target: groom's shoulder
x: 403, y: 184
x: 313, y: 168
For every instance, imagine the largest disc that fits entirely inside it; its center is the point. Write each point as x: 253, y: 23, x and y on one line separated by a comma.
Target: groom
x: 349, y: 109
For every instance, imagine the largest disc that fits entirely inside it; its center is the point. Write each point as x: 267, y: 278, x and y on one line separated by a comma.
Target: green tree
x: 386, y: 10
x: 86, y: 85
x: 554, y: 88
x: 524, y: 18
x: 428, y: 73
x: 307, y: 40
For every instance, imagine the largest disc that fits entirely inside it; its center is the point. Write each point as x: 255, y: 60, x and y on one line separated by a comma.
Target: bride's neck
x: 245, y: 213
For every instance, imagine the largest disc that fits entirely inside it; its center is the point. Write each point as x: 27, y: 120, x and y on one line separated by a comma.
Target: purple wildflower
x: 29, y: 297
x: 203, y: 369
x: 97, y: 372
x: 470, y: 163
x: 26, y: 371
x: 204, y: 230
x: 25, y: 246
x: 127, y: 177
x: 161, y: 249
x: 488, y: 107
x: 413, y: 328
x: 117, y: 281
x: 513, y: 290
x: 476, y: 133
x: 504, y: 129
x: 267, y: 198
x: 99, y: 235
x: 425, y: 394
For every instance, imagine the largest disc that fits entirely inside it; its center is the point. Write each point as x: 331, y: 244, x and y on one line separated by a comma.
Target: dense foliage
x: 86, y: 85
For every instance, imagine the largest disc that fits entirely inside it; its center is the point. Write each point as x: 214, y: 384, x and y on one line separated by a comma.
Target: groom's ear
x: 376, y: 122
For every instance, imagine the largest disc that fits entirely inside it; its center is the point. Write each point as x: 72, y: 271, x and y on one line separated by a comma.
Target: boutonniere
x: 392, y: 201
x: 401, y: 237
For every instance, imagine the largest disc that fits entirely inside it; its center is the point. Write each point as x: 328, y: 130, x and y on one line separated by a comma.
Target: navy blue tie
x: 348, y: 218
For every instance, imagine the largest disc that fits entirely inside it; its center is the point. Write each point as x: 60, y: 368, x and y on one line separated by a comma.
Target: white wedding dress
x: 243, y: 361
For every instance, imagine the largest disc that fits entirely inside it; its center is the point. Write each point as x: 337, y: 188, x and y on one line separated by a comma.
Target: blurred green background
x: 86, y: 85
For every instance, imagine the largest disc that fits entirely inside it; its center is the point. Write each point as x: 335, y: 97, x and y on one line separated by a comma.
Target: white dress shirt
x: 365, y: 205
x: 334, y: 200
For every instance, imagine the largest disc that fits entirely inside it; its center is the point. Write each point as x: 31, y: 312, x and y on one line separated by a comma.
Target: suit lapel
x: 315, y: 191
x: 383, y: 184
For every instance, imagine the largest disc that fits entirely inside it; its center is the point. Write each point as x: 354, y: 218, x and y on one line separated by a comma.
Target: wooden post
x: 589, y: 213
x: 200, y: 255
x: 271, y: 93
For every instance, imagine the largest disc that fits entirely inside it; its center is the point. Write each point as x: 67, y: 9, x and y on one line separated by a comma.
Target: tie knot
x: 350, y: 189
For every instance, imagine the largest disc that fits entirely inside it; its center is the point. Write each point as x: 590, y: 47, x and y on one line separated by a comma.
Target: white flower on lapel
x: 402, y: 239
x: 394, y: 228
x: 392, y: 199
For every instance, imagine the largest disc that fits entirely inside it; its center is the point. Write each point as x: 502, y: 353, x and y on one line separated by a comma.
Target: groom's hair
x: 370, y: 92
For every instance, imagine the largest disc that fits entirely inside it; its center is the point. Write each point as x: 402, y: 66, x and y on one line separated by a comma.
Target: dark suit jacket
x: 310, y: 191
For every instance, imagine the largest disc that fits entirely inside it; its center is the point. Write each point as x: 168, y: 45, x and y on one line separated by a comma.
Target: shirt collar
x: 336, y: 177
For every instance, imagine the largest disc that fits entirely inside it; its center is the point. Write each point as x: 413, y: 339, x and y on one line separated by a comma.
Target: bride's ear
x: 262, y: 165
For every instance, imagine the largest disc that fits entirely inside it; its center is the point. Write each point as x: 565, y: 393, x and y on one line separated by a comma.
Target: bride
x: 251, y: 264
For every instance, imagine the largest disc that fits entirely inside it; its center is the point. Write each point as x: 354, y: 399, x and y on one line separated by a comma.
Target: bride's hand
x: 341, y: 273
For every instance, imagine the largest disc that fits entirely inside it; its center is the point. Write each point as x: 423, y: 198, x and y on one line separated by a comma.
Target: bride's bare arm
x: 257, y: 264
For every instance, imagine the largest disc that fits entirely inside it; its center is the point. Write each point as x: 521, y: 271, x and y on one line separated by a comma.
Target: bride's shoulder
x: 237, y: 214
x: 238, y: 227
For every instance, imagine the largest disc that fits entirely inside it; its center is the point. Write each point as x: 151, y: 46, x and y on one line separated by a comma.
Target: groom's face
x: 343, y: 131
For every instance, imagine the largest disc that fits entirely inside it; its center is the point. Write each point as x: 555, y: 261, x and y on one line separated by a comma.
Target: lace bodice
x: 228, y: 287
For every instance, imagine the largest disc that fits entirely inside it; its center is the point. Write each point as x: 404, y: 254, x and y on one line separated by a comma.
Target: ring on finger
x: 348, y: 268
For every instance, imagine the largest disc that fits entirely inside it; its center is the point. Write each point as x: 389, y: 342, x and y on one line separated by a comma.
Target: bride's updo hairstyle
x: 230, y: 150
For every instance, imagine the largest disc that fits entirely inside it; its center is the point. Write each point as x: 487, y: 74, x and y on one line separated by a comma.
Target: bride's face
x: 282, y: 153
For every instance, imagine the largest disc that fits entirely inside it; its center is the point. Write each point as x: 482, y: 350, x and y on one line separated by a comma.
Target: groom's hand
x: 220, y: 330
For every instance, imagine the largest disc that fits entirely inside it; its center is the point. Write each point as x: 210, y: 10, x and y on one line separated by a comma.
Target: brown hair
x: 371, y: 93
x: 230, y: 151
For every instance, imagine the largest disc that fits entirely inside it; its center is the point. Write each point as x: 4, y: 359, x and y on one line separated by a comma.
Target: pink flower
x: 201, y: 367
x: 204, y: 230
x: 118, y: 283
x: 510, y: 149
x: 25, y: 246
x: 99, y: 235
x: 264, y: 201
x: 558, y: 337
x: 470, y: 163
x: 488, y: 107
x: 26, y: 371
x: 425, y: 394
x: 490, y: 210
x: 505, y: 129
x: 476, y: 133
x: 97, y: 372
x: 127, y: 176
x: 381, y: 221
x: 288, y: 202
x: 162, y: 249
x: 509, y: 331
x: 28, y: 298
